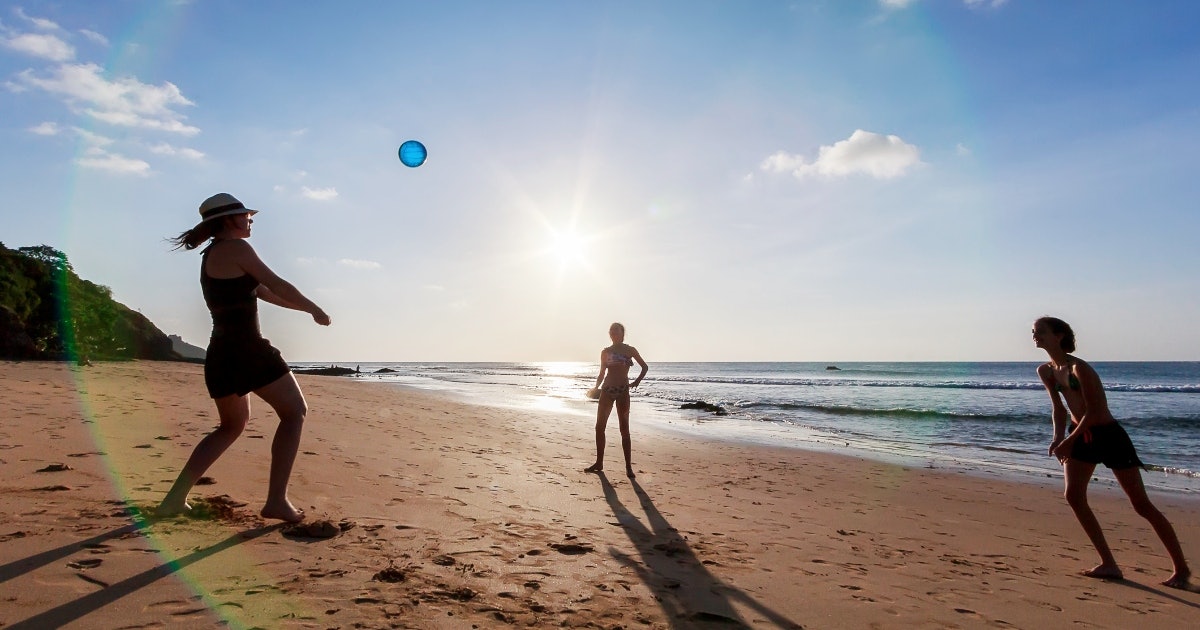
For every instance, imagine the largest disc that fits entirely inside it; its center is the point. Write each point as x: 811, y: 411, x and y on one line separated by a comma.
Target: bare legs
x: 285, y: 398
x: 1078, y: 474
x: 1131, y: 483
x: 234, y: 411
x: 603, y: 410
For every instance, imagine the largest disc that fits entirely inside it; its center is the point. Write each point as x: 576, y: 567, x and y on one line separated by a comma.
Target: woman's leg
x: 1131, y: 482
x: 234, y: 411
x: 623, y: 421
x: 1078, y: 474
x: 603, y: 409
x: 287, y: 400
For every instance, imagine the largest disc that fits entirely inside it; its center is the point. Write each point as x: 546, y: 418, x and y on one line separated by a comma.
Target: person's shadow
x: 687, y: 592
x: 75, y: 609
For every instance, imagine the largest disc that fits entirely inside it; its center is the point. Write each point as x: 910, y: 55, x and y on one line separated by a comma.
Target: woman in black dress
x: 239, y: 360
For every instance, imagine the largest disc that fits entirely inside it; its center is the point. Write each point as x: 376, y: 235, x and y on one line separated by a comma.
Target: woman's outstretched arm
x: 283, y: 292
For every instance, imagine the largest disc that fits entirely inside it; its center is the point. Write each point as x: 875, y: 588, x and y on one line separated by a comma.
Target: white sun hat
x: 222, y: 204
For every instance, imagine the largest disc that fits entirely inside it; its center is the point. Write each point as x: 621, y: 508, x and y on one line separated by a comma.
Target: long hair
x: 1059, y: 327
x: 198, y: 235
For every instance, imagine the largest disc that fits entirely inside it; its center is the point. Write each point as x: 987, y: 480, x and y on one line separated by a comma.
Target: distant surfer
x: 1095, y: 438
x: 614, y: 385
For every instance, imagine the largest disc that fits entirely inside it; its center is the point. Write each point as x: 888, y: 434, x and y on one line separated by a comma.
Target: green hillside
x: 49, y: 312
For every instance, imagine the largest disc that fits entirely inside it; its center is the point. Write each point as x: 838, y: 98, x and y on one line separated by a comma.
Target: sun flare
x: 568, y: 247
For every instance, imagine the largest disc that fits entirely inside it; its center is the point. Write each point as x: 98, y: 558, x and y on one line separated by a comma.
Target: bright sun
x: 568, y: 247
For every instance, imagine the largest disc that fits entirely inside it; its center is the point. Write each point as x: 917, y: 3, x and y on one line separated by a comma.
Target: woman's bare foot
x: 1179, y: 579
x: 168, y: 509
x: 285, y: 512
x: 594, y: 468
x: 1104, y: 572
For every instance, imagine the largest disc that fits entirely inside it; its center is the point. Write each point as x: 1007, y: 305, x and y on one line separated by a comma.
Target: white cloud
x: 125, y: 102
x: 981, y: 3
x: 46, y: 129
x: 94, y: 36
x: 165, y: 149
x: 114, y: 163
x: 277, y: 188
x: 896, y: 4
x: 42, y: 23
x: 962, y: 149
x: 319, y: 194
x: 359, y: 264
x: 93, y: 139
x: 877, y: 155
x: 38, y: 45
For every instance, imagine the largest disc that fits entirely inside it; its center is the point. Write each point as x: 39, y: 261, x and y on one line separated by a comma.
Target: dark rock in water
x: 384, y: 371
x: 704, y: 406
x: 832, y: 367
x: 332, y: 370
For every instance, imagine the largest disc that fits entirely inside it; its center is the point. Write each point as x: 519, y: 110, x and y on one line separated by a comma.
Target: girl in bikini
x: 614, y: 385
x: 239, y: 360
x: 1095, y: 438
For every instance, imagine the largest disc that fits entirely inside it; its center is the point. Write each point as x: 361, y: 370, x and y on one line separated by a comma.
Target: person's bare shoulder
x: 1081, y: 367
x: 1046, y: 373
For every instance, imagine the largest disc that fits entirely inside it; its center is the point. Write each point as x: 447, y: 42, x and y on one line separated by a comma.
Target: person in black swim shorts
x: 1095, y: 438
x: 239, y: 360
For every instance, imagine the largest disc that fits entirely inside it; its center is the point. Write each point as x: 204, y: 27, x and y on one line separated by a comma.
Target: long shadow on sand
x: 73, y: 610
x: 1192, y: 588
x: 25, y: 565
x: 689, y: 595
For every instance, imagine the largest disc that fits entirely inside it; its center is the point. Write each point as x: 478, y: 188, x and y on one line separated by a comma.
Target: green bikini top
x: 1072, y: 383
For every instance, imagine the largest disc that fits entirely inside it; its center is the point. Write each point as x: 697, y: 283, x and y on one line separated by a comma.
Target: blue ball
x: 413, y: 154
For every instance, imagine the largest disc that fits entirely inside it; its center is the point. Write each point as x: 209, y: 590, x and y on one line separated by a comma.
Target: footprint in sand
x: 390, y: 574
x: 321, y: 529
x: 572, y: 549
x: 55, y: 468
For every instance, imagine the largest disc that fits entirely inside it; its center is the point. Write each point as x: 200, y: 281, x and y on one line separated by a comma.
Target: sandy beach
x: 427, y: 513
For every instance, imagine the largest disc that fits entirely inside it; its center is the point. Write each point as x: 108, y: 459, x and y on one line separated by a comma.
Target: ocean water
x: 991, y: 418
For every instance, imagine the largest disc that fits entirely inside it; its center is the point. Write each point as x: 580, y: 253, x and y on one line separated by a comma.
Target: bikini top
x: 1072, y: 383
x: 616, y: 359
x: 232, y: 303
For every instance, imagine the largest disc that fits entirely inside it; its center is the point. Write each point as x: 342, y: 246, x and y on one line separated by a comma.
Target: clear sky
x: 815, y: 180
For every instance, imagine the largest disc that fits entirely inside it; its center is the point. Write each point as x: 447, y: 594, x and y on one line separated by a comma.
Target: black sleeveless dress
x: 238, y: 360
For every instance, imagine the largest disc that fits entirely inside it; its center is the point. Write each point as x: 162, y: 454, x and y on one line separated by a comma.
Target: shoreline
x: 672, y: 420
x: 485, y: 519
